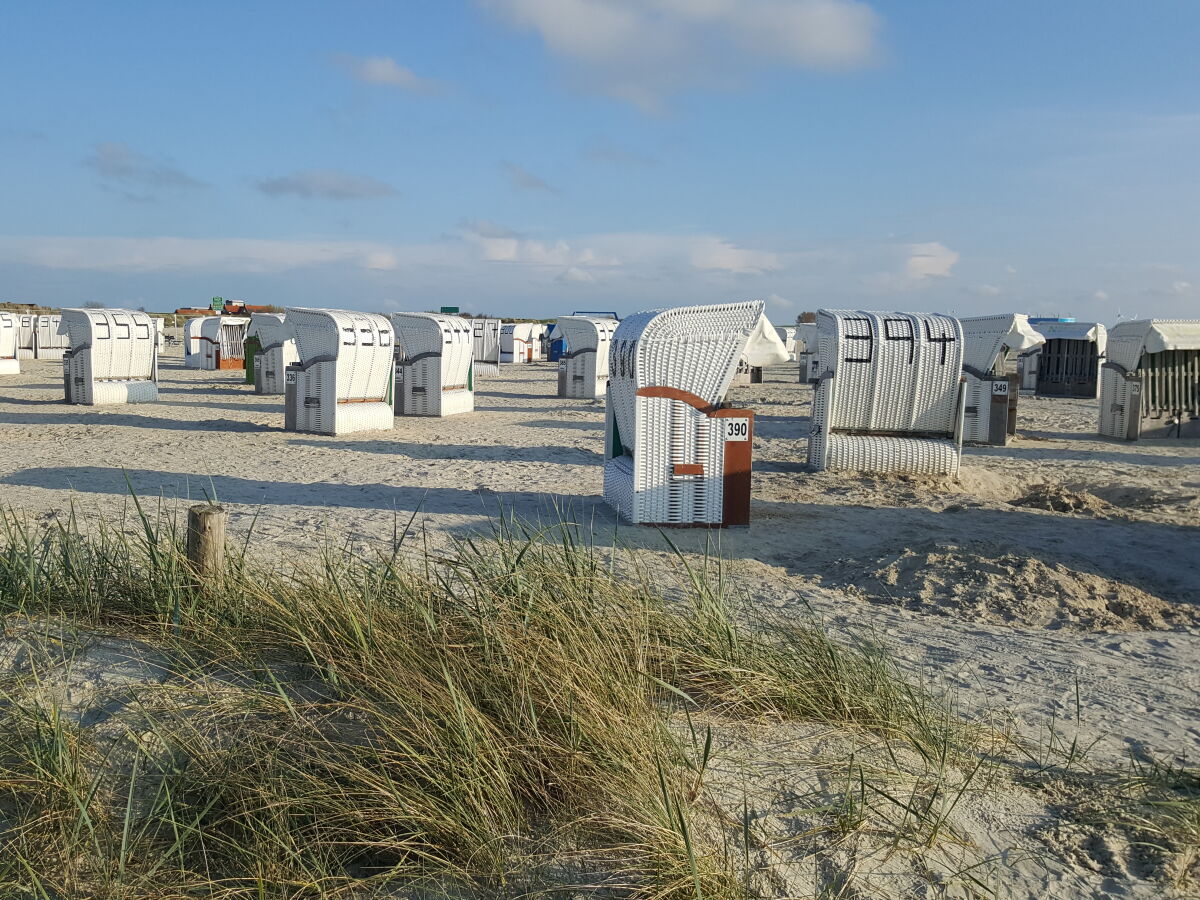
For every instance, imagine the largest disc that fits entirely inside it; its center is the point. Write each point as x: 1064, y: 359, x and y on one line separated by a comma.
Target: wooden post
x: 206, y: 539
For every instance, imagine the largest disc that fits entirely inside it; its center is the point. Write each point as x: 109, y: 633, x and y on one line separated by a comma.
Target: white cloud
x: 575, y: 275
x: 526, y: 180
x: 714, y: 253
x: 1100, y: 296
x: 383, y: 70
x: 224, y: 254
x: 932, y: 260
x: 644, y: 50
x: 1179, y: 288
x: 988, y: 290
x: 1010, y: 269
x: 499, y: 244
x: 327, y: 184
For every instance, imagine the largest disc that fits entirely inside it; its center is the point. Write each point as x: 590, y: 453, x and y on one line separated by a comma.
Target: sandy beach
x: 1053, y: 583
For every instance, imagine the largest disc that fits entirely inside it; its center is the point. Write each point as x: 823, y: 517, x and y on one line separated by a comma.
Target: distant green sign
x: 218, y: 303
x: 450, y: 310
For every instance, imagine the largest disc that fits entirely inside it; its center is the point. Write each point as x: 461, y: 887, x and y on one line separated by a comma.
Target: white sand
x: 984, y: 585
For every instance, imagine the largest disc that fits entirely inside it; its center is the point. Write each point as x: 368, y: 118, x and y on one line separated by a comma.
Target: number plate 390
x: 737, y: 429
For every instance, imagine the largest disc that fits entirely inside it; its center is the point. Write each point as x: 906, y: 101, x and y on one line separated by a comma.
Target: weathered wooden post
x: 206, y: 539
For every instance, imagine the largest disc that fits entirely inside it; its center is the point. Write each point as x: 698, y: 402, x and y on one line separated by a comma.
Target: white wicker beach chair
x: 518, y: 342
x: 277, y: 351
x: 991, y: 346
x: 26, y: 336
x: 49, y: 343
x: 806, y: 352
x: 889, y: 398
x: 434, y: 364
x: 222, y: 342
x: 9, y: 364
x: 673, y: 455
x: 193, y: 352
x: 343, y: 380
x: 112, y: 358
x: 1150, y: 383
x: 583, y: 366
x: 1068, y: 363
x: 487, y: 345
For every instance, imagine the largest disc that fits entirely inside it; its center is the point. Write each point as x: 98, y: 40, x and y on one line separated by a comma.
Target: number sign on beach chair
x: 889, y: 398
x: 673, y: 454
x: 434, y: 364
x: 991, y: 347
x: 583, y: 362
x: 276, y: 351
x: 112, y: 358
x: 1150, y: 384
x: 343, y: 380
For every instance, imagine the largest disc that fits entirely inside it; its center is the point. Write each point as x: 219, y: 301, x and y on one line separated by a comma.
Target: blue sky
x: 532, y: 157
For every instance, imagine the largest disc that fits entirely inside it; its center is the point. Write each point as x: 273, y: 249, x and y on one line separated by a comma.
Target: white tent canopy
x: 764, y: 347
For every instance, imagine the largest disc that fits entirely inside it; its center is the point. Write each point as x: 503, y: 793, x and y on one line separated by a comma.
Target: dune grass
x: 493, y: 719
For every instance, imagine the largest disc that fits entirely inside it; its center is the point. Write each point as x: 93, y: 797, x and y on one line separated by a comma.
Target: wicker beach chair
x: 434, y: 364
x: 1068, y: 363
x: 276, y: 351
x: 9, y: 364
x: 518, y: 342
x: 991, y: 347
x: 1150, y: 383
x: 583, y: 361
x: 806, y: 352
x: 49, y: 343
x: 193, y: 352
x: 112, y: 357
x: 222, y: 342
x: 486, y: 334
x: 342, y: 382
x: 889, y: 397
x: 673, y: 455
x: 787, y: 334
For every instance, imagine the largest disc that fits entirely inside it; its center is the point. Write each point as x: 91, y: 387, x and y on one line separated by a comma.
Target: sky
x: 538, y: 157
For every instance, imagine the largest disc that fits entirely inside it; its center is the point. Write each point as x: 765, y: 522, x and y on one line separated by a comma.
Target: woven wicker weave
x: 343, y: 380
x: 434, y: 363
x: 1150, y: 383
x: 48, y: 342
x: 9, y: 365
x: 276, y: 352
x: 112, y: 356
x: 889, y: 398
x: 583, y: 367
x: 26, y: 335
x: 665, y: 450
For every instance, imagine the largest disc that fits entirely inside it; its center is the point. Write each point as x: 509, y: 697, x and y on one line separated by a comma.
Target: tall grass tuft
x: 494, y: 718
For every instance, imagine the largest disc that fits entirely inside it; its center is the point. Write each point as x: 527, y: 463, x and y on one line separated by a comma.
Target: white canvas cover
x: 112, y: 357
x: 888, y: 397
x: 764, y: 346
x: 343, y: 379
x: 434, y: 364
x: 669, y: 370
x: 991, y: 344
x: 1129, y: 340
x: 9, y: 364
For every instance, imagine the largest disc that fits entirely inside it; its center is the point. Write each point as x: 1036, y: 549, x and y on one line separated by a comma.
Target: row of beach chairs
x: 894, y: 392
